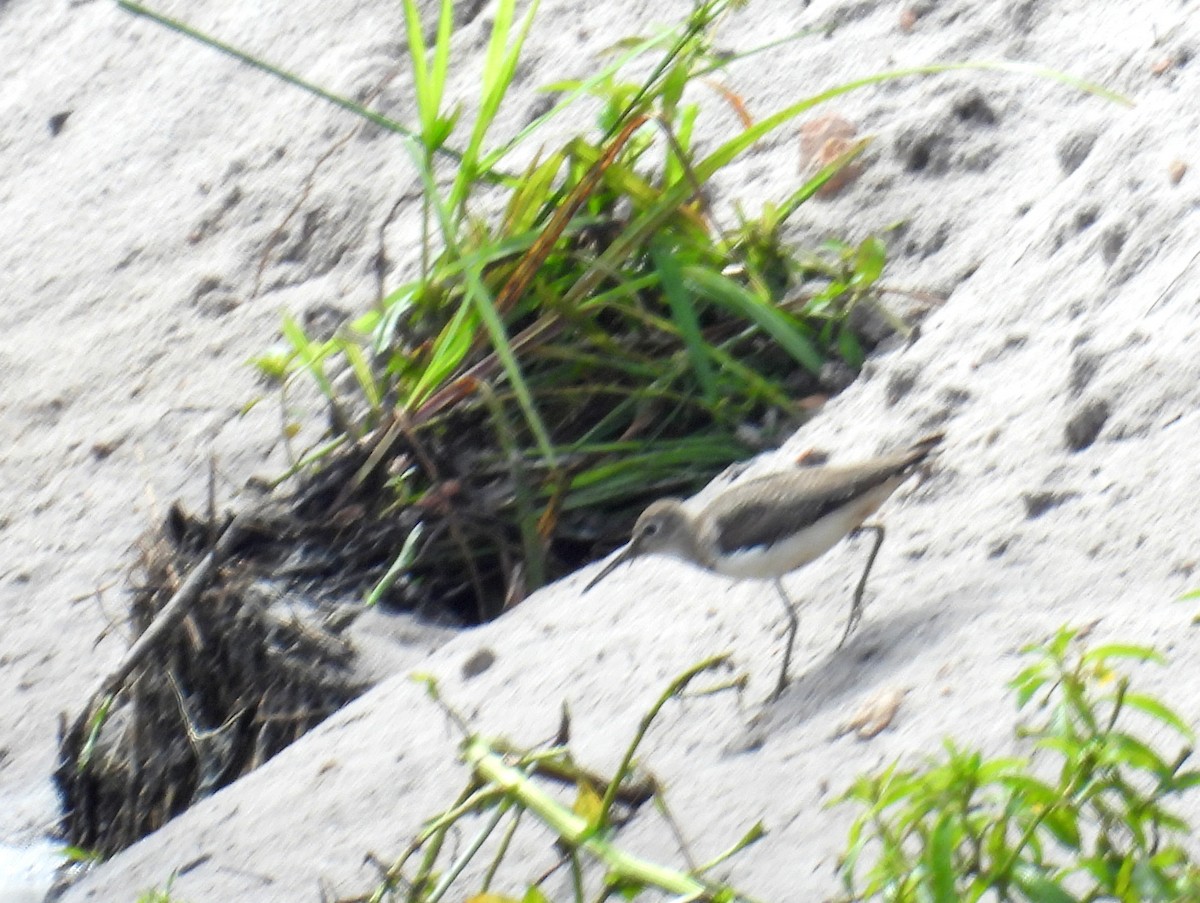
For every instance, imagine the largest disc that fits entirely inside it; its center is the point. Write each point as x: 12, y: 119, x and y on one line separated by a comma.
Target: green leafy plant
x: 1092, y: 814
x: 507, y: 785
x: 159, y: 895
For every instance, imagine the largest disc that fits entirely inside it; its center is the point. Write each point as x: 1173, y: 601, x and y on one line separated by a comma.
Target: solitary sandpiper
x: 768, y: 526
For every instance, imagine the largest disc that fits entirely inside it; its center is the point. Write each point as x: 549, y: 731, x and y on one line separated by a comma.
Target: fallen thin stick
x: 171, y: 614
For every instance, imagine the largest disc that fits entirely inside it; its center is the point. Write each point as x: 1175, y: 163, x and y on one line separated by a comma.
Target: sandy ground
x: 142, y: 178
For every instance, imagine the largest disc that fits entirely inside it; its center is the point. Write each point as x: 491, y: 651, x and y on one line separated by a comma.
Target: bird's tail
x: 923, y: 447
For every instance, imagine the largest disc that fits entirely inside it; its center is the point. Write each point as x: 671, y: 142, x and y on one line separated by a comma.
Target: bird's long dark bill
x: 626, y: 555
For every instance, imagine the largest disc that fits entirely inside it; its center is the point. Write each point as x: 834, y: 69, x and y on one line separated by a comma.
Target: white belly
x: 810, y: 543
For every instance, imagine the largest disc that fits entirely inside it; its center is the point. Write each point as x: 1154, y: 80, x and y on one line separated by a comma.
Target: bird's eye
x: 650, y: 529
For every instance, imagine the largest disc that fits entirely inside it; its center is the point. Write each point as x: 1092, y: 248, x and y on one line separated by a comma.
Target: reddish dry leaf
x: 875, y: 715
x: 823, y: 140
x: 1161, y: 65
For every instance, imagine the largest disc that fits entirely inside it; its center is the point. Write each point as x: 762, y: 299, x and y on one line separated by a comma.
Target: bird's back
x: 778, y: 522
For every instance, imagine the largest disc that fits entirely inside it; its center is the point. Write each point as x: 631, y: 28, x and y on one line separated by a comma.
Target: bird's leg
x: 856, y: 605
x: 793, y: 626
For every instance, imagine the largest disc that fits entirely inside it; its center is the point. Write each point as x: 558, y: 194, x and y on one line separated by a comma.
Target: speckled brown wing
x: 767, y: 509
x: 747, y: 517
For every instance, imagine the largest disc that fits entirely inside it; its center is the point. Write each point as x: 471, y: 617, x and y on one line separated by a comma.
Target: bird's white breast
x: 806, y: 545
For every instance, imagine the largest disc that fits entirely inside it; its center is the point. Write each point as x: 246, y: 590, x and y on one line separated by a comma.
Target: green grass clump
x: 601, y: 342
x: 604, y: 339
x: 1092, y: 814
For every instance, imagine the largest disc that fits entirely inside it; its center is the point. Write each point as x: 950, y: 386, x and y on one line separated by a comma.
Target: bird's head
x: 664, y: 528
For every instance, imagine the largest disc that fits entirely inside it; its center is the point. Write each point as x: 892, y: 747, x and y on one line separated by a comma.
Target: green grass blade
x: 95, y: 724
x: 449, y: 350
x: 289, y: 77
x: 683, y: 312
x: 362, y: 373
x: 493, y: 60
x: 574, y: 90
x: 429, y: 81
x: 386, y: 322
x: 433, y: 197
x: 684, y: 44
x: 420, y: 68
x: 823, y: 175
x: 527, y: 200
x: 404, y: 561
x: 500, y: 64
x: 484, y: 305
x: 490, y: 174
x: 754, y: 385
x: 638, y: 468
x: 456, y: 339
x: 498, y: 77
x: 736, y: 146
x: 441, y: 52
x: 725, y: 61
x: 527, y: 518
x: 778, y: 325
x: 311, y: 354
